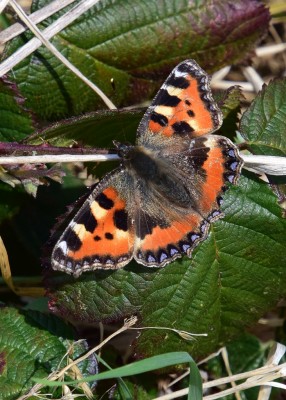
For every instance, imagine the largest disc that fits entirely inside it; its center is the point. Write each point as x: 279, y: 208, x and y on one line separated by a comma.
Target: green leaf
x: 263, y: 124
x: 26, y: 351
x: 95, y: 129
x: 229, y: 102
x: 31, y: 345
x: 233, y: 277
x: 15, y: 121
x: 135, y: 44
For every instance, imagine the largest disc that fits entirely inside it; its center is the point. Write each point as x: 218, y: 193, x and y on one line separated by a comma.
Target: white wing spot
x: 63, y: 246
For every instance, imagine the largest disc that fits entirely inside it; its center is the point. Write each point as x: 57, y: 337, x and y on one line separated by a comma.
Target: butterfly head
x: 124, y: 149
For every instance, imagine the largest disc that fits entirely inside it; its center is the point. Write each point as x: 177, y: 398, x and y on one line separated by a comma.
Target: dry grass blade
x: 37, y: 17
x: 20, y: 12
x: 272, y: 165
x: 263, y: 376
x: 49, y: 32
x: 225, y: 358
x: 253, y: 77
x: 3, y: 4
x: 7, y: 277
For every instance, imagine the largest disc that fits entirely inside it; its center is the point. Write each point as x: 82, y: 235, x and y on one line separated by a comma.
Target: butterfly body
x: 159, y: 203
x: 155, y: 173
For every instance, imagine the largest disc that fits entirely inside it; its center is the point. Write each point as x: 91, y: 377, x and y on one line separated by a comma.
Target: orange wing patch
x: 98, y: 235
x: 220, y: 166
x: 184, y: 104
x: 163, y: 245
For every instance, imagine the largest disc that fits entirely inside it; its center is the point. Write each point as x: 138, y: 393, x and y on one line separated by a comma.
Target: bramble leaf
x: 33, y: 344
x: 15, y: 121
x: 128, y: 47
x: 233, y: 277
x: 263, y: 124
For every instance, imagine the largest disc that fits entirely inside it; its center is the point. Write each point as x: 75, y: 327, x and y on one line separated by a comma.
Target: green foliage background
x: 233, y: 277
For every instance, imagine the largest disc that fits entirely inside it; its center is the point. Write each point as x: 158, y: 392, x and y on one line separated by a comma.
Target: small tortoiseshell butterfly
x: 167, y: 190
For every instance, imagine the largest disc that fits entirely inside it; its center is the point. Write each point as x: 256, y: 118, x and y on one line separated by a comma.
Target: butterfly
x: 159, y: 203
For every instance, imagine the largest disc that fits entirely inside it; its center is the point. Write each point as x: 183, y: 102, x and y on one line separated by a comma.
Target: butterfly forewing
x: 183, y: 105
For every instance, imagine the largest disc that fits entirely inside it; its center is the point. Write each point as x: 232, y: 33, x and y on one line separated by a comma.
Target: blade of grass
x: 122, y: 387
x: 139, y: 367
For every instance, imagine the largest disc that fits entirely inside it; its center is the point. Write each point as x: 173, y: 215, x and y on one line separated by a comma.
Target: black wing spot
x: 184, y: 67
x: 104, y: 201
x: 182, y: 127
x: 199, y: 156
x: 73, y: 241
x: 163, y: 98
x: 121, y: 220
x: 178, y: 82
x: 159, y: 119
x: 87, y: 219
x: 108, y: 236
x: 97, y: 238
x: 191, y: 113
x: 145, y: 225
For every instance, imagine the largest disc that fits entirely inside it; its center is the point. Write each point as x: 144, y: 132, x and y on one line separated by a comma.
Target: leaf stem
x: 11, y: 148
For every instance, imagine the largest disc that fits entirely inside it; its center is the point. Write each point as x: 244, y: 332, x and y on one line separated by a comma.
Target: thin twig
x: 37, y: 17
x: 272, y: 165
x: 219, y: 75
x: 57, y: 158
x: 18, y: 9
x: 224, y: 85
x: 15, y: 148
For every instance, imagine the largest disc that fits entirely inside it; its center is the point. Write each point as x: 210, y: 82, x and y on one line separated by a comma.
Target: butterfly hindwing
x: 160, y: 244
x: 169, y: 229
x: 101, y: 235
